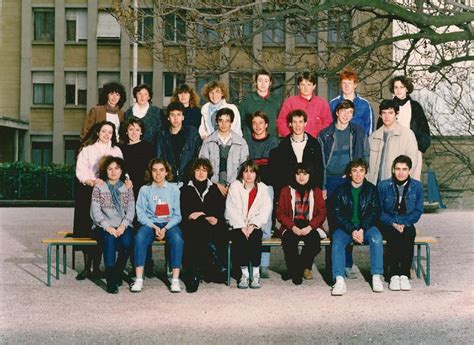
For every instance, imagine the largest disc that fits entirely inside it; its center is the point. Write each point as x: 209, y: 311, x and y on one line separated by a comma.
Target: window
x: 175, y: 28
x: 43, y: 88
x: 273, y: 33
x: 339, y: 28
x: 44, y: 24
x: 333, y: 87
x: 242, y: 32
x: 142, y: 78
x: 76, y: 25
x: 108, y: 29
x: 76, y: 88
x: 70, y: 150
x: 207, y: 33
x: 241, y: 84
x: 278, y: 85
x: 201, y: 82
x: 41, y: 152
x: 306, y: 32
x: 145, y: 25
x: 170, y: 82
x: 105, y: 77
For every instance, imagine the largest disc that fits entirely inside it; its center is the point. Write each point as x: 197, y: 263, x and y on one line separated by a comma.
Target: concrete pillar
x: 59, y: 84
x: 25, y: 74
x: 92, y: 13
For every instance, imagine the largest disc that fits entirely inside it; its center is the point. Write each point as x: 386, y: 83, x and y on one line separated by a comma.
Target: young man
x: 356, y: 209
x: 401, y: 199
x: 317, y: 109
x: 178, y: 144
x: 297, y: 147
x: 363, y: 113
x: 260, y: 100
x: 388, y: 142
x: 260, y: 144
x: 226, y: 150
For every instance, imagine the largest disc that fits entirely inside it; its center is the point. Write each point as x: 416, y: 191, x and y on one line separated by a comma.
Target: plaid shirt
x: 301, y: 206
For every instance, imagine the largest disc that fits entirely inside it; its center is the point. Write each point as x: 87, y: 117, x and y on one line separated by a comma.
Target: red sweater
x: 317, y: 109
x: 285, y: 212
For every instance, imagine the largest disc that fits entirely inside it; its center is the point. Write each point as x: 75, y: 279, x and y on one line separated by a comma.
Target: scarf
x: 115, y: 192
x: 401, y: 102
x: 400, y: 205
x: 111, y: 110
x: 213, y: 108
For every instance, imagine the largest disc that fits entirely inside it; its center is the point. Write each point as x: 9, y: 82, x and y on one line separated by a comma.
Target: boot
x: 111, y: 284
x: 220, y: 275
x: 87, y: 268
x: 194, y: 281
x: 96, y: 259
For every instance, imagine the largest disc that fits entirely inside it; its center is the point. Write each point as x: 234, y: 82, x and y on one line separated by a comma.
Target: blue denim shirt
x: 413, y: 199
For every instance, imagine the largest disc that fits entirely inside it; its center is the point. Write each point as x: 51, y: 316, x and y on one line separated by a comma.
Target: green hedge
x: 26, y: 181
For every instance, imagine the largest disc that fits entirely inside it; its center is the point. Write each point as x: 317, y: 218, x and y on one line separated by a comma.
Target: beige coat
x: 402, y: 142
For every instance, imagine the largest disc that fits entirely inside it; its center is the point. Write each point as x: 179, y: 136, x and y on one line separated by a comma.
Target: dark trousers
x: 296, y: 262
x: 111, y: 244
x: 400, y: 249
x: 247, y: 250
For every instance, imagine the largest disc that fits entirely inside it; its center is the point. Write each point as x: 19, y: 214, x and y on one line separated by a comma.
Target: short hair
x: 130, y: 122
x: 175, y: 106
x: 251, y: 165
x: 93, y: 135
x: 261, y: 114
x: 140, y: 87
x: 204, y: 163
x: 359, y: 162
x: 225, y: 111
x: 105, y: 163
x: 263, y: 71
x: 306, y: 76
x: 406, y: 81
x: 304, y: 167
x: 387, y: 104
x: 402, y: 159
x: 149, y: 176
x: 193, y: 99
x: 216, y: 84
x: 345, y: 104
x: 348, y: 74
x: 110, y: 87
x: 296, y: 113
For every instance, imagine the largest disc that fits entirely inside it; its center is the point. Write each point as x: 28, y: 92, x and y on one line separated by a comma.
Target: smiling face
x: 401, y: 171
x: 358, y: 175
x: 259, y: 126
x: 113, y: 98
x: 134, y: 132
x: 249, y: 176
x: 302, y: 177
x: 348, y: 86
x: 389, y: 117
x: 105, y: 133
x: 400, y: 90
x: 344, y: 116
x: 215, y: 95
x: 176, y: 119
x: 297, y: 125
x: 306, y: 88
x: 158, y: 173
x: 143, y: 97
x: 184, y: 98
x: 263, y: 84
x: 114, y: 172
x: 200, y: 174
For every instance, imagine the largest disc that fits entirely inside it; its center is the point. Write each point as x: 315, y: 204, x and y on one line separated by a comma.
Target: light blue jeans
x: 340, y: 240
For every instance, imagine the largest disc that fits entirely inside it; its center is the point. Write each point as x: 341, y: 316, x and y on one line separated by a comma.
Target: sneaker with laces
x: 255, y: 283
x: 175, y: 287
x: 244, y: 282
x: 307, y: 274
x: 394, y: 283
x: 405, y: 283
x: 339, y: 288
x: 377, y: 285
x: 137, y: 286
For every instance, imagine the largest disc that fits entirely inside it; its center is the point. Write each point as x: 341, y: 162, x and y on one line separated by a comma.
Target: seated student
x: 401, y: 198
x: 301, y: 212
x: 247, y: 208
x: 112, y: 212
x: 225, y: 149
x: 204, y: 227
x: 355, y: 210
x: 159, y: 214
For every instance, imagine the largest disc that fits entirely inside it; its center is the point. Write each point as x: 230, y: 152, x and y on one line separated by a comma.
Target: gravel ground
x: 75, y: 312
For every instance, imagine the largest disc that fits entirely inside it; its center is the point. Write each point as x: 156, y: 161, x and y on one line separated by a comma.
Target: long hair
x: 113, y: 87
x: 250, y: 165
x: 148, y: 174
x: 93, y: 135
x: 193, y: 99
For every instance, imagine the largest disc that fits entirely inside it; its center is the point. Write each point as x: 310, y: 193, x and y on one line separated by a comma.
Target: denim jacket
x: 413, y: 199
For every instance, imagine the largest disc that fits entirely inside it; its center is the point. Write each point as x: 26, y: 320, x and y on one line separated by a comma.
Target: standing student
x: 401, y: 198
x: 159, y: 214
x: 301, y: 212
x: 248, y: 206
x: 186, y: 95
x: 112, y: 212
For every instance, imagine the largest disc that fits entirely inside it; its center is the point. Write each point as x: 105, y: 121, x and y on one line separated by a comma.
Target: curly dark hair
x: 406, y: 81
x: 110, y: 87
x: 105, y: 163
x: 359, y: 162
x: 140, y: 87
x: 204, y: 163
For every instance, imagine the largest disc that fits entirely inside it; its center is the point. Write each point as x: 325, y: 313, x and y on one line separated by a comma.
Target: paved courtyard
x: 73, y: 312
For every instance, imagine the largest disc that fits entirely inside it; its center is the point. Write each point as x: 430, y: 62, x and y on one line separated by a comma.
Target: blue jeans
x: 145, y: 237
x: 340, y: 240
x: 111, y: 244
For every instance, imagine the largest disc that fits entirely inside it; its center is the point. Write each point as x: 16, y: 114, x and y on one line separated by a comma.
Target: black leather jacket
x: 369, y: 207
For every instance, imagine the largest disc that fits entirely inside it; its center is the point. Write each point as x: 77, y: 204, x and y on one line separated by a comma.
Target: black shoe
x: 193, y: 284
x: 285, y: 276
x: 83, y: 275
x: 297, y: 280
x: 97, y: 274
x: 112, y: 287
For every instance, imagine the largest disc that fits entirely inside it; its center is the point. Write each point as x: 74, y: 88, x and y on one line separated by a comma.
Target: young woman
x: 111, y: 99
x: 188, y: 98
x: 101, y: 141
x: 112, y: 212
x: 248, y: 208
x: 159, y: 214
x: 147, y: 113
x: 216, y: 92
x: 301, y: 211
x: 204, y: 227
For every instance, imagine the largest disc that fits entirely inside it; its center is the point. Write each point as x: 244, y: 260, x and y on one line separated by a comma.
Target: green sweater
x: 355, y: 211
x: 253, y: 102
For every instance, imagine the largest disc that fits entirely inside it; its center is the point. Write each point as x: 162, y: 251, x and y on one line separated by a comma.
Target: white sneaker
x: 137, y: 286
x: 255, y: 283
x: 405, y: 283
x: 244, y: 282
x: 394, y: 283
x: 377, y: 285
x: 339, y: 288
x: 175, y: 287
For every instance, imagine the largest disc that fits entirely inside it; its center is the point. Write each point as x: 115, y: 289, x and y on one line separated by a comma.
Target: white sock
x: 245, y: 270
x: 175, y: 280
x: 256, y: 271
x: 137, y: 278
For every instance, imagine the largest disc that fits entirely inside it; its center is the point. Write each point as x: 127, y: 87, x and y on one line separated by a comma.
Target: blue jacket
x: 363, y: 113
x: 413, y: 200
x: 190, y: 151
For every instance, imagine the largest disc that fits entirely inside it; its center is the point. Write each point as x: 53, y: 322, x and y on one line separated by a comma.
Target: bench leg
x: 73, y: 258
x: 428, y: 264
x: 48, y: 272
x: 57, y: 261
x: 418, y: 261
x: 228, y: 264
x: 64, y: 260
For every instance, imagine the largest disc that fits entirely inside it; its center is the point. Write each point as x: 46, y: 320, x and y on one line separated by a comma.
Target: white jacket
x: 87, y: 165
x: 236, y: 206
x: 205, y: 129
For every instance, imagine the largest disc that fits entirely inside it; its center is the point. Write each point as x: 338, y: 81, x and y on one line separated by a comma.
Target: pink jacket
x: 317, y: 109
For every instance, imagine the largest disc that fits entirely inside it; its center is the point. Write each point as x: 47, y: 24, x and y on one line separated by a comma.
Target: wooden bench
x: 420, y: 241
